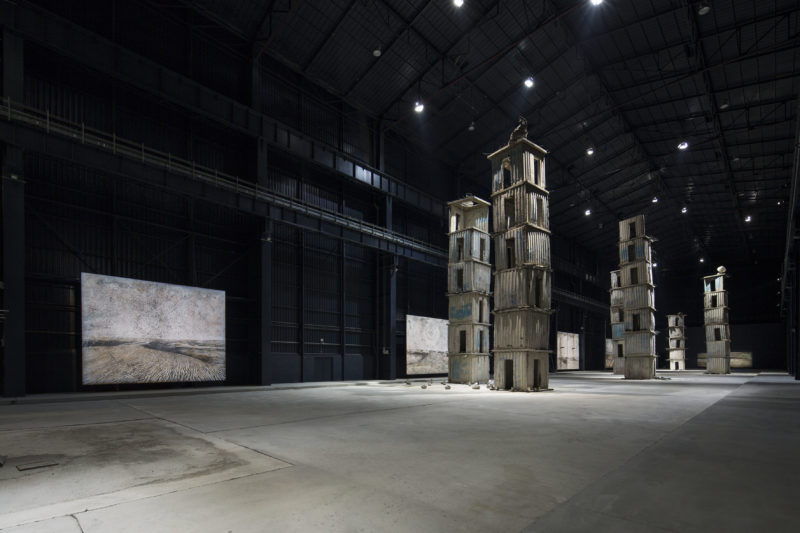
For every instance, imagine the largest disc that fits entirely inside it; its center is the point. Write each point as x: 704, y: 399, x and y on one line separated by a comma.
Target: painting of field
x: 145, y: 332
x: 426, y: 345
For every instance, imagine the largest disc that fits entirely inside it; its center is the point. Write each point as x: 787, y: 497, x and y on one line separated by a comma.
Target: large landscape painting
x: 144, y: 332
x: 426, y: 345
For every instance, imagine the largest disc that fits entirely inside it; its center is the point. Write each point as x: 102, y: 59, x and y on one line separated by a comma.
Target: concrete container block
x: 469, y: 212
x: 520, y: 205
x: 676, y: 321
x: 640, y: 319
x: 522, y: 329
x: 521, y: 162
x: 469, y: 245
x: 631, y: 227
x: 522, y: 246
x: 618, y: 331
x: 521, y: 370
x: 718, y: 348
x: 714, y: 282
x: 717, y: 332
x: 717, y: 315
x: 639, y: 343
x: 523, y: 287
x: 469, y: 307
x: 468, y: 368
x: 638, y: 296
x: 468, y: 276
x: 714, y: 299
x: 636, y: 273
x: 640, y: 366
x: 617, y: 298
x: 467, y: 339
x: 675, y: 343
x: 636, y: 249
x: 718, y: 365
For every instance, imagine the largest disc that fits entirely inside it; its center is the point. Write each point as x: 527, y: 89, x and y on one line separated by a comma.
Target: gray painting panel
x: 138, y: 331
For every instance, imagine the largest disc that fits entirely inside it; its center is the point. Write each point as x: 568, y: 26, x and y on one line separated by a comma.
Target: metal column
x: 265, y: 375
x: 14, y: 272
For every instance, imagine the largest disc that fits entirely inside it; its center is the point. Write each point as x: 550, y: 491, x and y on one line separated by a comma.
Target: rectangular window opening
x: 462, y: 341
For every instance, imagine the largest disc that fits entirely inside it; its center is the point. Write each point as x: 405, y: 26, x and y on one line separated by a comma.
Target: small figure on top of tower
x: 520, y: 132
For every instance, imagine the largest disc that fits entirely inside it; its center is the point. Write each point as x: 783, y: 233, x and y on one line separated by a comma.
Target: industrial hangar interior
x: 235, y: 291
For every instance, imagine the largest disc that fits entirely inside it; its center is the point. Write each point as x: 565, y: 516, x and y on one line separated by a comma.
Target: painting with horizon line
x: 426, y: 345
x: 136, y: 331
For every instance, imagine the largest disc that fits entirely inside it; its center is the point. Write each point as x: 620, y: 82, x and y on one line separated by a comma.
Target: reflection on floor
x: 598, y: 453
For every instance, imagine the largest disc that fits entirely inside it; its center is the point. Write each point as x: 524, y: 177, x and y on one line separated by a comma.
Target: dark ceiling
x: 631, y: 79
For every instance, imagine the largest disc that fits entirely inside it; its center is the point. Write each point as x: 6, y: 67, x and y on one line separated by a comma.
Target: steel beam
x: 90, y: 49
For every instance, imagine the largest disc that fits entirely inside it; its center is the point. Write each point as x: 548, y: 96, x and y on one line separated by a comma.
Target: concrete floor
x: 692, y: 453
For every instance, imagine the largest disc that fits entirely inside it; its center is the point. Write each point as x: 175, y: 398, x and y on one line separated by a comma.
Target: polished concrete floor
x: 598, y: 453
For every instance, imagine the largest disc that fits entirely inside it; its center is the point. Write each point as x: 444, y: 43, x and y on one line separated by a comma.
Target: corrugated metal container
x: 615, y: 279
x: 518, y: 287
x: 617, y: 298
x: 529, y: 246
x: 617, y: 315
x: 638, y: 296
x: 524, y: 329
x: 519, y: 205
x: 715, y: 299
x: 640, y: 367
x: 646, y: 319
x: 717, y: 315
x: 723, y: 330
x: 618, y: 331
x: 677, y: 353
x: 631, y: 227
x: 474, y: 277
x: 639, y: 343
x: 718, y: 348
x: 619, y: 364
x: 469, y: 244
x: 476, y: 339
x: 468, y: 368
x: 466, y: 307
x: 644, y: 274
x: 635, y: 249
x: 526, y: 370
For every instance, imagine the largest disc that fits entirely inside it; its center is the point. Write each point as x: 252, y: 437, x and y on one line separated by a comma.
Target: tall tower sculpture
x: 715, y: 315
x: 676, y: 342
x: 617, y: 322
x: 636, y: 280
x: 468, y: 291
x: 522, y: 262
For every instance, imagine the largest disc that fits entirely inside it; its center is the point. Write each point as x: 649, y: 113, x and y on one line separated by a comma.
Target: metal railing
x: 110, y: 142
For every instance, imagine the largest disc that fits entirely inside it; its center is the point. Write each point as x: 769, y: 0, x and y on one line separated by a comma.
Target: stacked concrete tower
x: 718, y: 330
x: 636, y: 280
x: 468, y: 291
x: 676, y: 342
x: 617, y: 323
x: 522, y: 262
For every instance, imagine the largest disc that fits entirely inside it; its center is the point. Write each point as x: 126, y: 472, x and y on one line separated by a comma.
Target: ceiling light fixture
x: 590, y: 151
x: 596, y: 2
x: 684, y: 210
x: 471, y: 126
x: 377, y: 52
x: 655, y: 199
x: 748, y: 218
x: 683, y: 145
x: 458, y: 3
x: 587, y: 212
x: 702, y: 260
x: 655, y: 265
x: 528, y: 82
x: 779, y: 202
x: 724, y: 105
x: 418, y: 106
x: 703, y: 9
